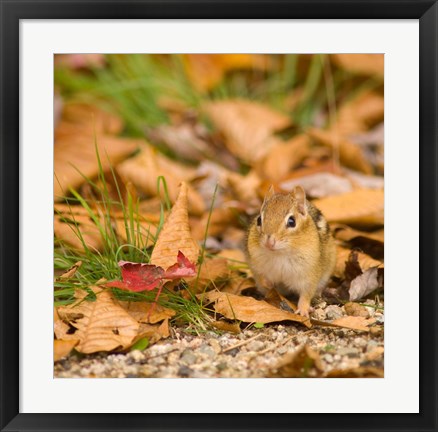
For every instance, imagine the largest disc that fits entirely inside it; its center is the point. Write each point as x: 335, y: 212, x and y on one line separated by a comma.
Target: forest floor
x: 274, y: 350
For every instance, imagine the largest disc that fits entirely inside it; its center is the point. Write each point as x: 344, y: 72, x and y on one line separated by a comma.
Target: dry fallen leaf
x: 303, y: 363
x: 175, y: 235
x: 283, y: 158
x: 364, y: 284
x: 76, y: 158
x: 138, y: 277
x: 227, y: 326
x: 144, y: 169
x: 84, y: 119
x: 363, y: 64
x: 62, y: 348
x: 211, y: 270
x: 361, y: 206
x: 371, y: 243
x: 147, y: 313
x: 68, y: 274
x: 245, y: 188
x: 205, y: 71
x: 248, y: 309
x: 319, y: 185
x: 358, y: 323
x: 74, y: 226
x: 247, y: 127
x: 153, y: 332
x: 188, y: 140
x: 350, y: 154
x: 102, y: 325
x: 364, y: 262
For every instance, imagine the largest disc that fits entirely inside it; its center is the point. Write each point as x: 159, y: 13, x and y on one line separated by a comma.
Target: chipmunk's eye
x: 259, y: 221
x: 291, y: 222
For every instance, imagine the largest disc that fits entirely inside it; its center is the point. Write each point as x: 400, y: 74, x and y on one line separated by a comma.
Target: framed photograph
x: 216, y: 210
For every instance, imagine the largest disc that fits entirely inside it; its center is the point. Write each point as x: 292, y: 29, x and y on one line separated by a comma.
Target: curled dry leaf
x: 70, y: 272
x: 370, y: 242
x: 362, y: 261
x: 303, y: 363
x: 153, y: 332
x: 62, y: 348
x: 175, y: 235
x: 365, y: 284
x: 144, y: 169
x: 102, y: 325
x: 247, y: 127
x: 248, y: 309
x: 279, y: 301
x: 361, y: 207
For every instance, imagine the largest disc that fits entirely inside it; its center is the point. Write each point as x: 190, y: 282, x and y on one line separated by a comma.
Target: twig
x: 241, y: 343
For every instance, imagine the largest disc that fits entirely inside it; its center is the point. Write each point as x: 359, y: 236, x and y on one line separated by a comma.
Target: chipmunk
x: 290, y: 247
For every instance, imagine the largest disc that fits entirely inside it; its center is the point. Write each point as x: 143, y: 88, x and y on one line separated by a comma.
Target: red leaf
x: 138, y: 277
x: 145, y: 277
x: 183, y: 268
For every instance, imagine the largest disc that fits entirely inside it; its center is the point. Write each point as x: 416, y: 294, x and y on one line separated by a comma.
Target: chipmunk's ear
x: 269, y: 194
x: 300, y: 197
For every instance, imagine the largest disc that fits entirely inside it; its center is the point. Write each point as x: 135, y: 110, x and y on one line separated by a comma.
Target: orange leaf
x: 248, y: 309
x: 247, y: 127
x: 175, y: 235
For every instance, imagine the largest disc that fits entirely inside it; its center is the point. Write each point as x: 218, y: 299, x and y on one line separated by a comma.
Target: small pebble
x: 319, y: 314
x: 188, y: 357
x: 255, y: 345
x: 333, y: 312
x: 184, y: 371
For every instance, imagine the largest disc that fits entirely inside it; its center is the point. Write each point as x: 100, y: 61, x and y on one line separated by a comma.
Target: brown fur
x: 303, y: 257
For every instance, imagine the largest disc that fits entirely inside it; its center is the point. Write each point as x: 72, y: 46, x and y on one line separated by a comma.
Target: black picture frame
x: 12, y: 11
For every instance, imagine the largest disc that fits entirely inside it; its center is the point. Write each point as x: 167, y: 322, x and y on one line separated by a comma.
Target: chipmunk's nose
x: 270, y: 242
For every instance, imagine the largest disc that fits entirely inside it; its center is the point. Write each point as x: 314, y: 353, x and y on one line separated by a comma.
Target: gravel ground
x: 252, y: 353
